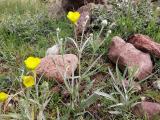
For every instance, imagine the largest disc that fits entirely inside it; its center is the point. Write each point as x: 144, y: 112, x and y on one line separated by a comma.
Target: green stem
x: 36, y: 85
x: 1, y: 107
x: 79, y: 82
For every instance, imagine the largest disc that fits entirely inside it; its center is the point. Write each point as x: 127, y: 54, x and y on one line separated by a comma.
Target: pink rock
x: 128, y: 56
x: 148, y: 109
x: 145, y: 43
x: 57, y: 66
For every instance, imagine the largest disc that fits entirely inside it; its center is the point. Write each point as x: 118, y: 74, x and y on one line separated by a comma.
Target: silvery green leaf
x: 10, y: 115
x: 107, y: 96
x: 90, y: 100
x: 115, y: 112
x: 119, y: 104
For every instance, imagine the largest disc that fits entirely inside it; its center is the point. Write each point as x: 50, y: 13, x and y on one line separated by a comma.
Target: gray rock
x: 86, y: 13
x: 55, y: 9
x: 156, y: 84
x: 54, y: 50
x: 71, y: 5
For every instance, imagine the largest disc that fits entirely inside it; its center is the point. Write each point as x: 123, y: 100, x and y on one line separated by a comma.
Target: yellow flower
x: 32, y: 62
x: 28, y: 81
x: 73, y: 16
x: 3, y: 96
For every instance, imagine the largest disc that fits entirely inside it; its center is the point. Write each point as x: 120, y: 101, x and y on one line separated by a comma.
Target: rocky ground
x: 106, y: 68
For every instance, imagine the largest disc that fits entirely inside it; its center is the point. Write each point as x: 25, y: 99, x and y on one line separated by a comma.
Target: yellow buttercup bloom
x: 73, y: 16
x: 32, y: 62
x: 3, y: 96
x: 28, y: 81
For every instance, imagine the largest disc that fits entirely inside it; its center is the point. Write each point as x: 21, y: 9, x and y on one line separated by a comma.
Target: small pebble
x: 156, y: 84
x: 54, y: 50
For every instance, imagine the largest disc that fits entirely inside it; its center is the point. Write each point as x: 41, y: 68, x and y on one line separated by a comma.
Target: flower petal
x: 3, y: 96
x: 28, y: 81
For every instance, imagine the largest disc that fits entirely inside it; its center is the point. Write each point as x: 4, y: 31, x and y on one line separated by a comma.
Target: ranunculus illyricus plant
x: 31, y: 63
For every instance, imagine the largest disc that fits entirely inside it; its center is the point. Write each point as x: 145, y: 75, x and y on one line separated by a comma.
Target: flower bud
x: 87, y: 17
x: 109, y: 31
x: 58, y: 30
x: 104, y: 22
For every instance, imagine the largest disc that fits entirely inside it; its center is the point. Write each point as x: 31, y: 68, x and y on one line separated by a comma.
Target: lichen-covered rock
x: 126, y: 55
x: 58, y: 66
x: 145, y: 43
x: 148, y: 109
x: 76, y: 4
x: 85, y: 18
x: 57, y: 8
